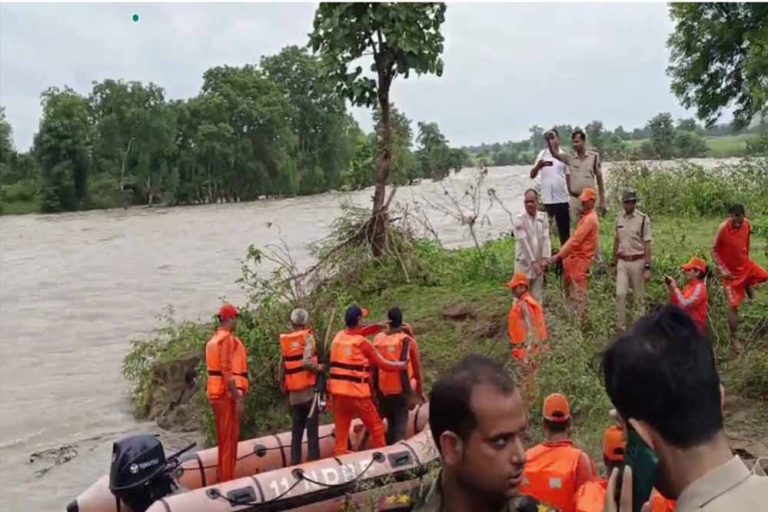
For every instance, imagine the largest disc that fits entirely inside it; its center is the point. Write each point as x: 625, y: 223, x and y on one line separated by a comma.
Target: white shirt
x: 531, y: 241
x: 554, y: 188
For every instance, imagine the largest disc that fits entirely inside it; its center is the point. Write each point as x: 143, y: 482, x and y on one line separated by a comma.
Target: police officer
x: 631, y: 256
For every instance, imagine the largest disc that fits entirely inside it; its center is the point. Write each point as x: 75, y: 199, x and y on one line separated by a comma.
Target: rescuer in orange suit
x: 739, y: 273
x: 227, y: 363
x: 591, y: 496
x: 349, y: 382
x: 525, y: 322
x: 578, y: 253
x: 555, y: 469
x: 398, y: 391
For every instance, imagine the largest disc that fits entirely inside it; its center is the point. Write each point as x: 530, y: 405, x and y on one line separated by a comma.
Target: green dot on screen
x: 135, y: 17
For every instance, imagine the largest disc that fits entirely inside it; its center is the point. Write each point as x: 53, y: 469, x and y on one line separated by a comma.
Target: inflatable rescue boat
x: 142, y: 479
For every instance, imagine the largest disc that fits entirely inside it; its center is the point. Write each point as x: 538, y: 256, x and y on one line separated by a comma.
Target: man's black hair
x: 737, y: 209
x: 353, y: 315
x: 663, y: 372
x: 554, y: 130
x: 395, y: 317
x: 449, y: 400
x: 580, y: 133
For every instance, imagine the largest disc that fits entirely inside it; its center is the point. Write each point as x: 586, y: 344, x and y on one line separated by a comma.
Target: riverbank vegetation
x: 457, y: 303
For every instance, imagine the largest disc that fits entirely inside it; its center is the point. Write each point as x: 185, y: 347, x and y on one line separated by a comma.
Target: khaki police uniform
x: 633, y: 231
x: 728, y: 488
x: 582, y: 172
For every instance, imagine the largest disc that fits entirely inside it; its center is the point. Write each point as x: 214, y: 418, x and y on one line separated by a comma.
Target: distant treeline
x: 661, y: 138
x: 276, y: 129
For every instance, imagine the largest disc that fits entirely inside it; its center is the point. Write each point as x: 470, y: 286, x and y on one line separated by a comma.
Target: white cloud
x: 507, y: 66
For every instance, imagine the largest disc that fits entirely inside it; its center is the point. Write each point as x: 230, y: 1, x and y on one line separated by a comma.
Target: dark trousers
x: 394, y: 409
x: 561, y: 213
x: 299, y: 416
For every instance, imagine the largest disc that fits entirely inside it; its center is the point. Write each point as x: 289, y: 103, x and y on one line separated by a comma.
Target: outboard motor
x: 138, y: 474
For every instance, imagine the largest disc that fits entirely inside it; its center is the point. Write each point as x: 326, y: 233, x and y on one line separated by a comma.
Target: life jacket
x: 550, y: 475
x: 591, y: 497
x: 292, y: 345
x: 394, y: 347
x: 349, y: 369
x: 216, y: 387
x: 699, y: 309
x: 661, y: 504
x: 518, y: 331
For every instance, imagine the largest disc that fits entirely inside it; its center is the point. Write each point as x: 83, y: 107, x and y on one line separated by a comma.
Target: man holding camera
x: 554, y: 188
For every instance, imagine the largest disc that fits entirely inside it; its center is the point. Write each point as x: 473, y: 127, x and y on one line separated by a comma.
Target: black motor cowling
x: 137, y: 475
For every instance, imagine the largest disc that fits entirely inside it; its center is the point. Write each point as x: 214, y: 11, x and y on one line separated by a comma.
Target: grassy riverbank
x: 457, y: 302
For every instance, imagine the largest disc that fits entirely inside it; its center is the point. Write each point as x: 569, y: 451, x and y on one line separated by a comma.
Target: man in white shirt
x: 532, y: 244
x: 554, y: 188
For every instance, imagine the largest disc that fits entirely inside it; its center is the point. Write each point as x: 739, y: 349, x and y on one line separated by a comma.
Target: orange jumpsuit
x: 349, y: 383
x: 525, y: 323
x: 578, y: 253
x: 591, y: 498
x: 226, y: 359
x: 731, y: 252
x: 694, y: 299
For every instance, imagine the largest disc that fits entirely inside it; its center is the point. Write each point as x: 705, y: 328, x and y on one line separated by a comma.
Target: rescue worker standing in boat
x: 299, y: 375
x: 227, y: 363
x: 349, y: 382
x: 394, y: 389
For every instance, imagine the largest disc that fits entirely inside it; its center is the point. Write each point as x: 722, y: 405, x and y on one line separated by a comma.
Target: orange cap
x: 556, y: 408
x: 228, y: 311
x: 695, y: 263
x: 614, y: 444
x: 517, y: 280
x: 588, y: 194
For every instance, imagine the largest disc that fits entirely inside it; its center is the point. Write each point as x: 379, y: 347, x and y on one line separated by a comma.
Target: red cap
x: 614, y: 444
x: 588, y: 194
x: 228, y: 311
x: 556, y: 408
x: 518, y: 280
x: 695, y: 263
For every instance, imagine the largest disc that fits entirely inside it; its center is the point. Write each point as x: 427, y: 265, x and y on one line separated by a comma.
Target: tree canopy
x: 719, y: 57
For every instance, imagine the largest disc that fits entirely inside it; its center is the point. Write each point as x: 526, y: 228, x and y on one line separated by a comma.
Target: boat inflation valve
x: 260, y: 450
x: 378, y: 457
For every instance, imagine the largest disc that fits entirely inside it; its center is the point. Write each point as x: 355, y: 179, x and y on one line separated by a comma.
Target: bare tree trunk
x: 378, y: 233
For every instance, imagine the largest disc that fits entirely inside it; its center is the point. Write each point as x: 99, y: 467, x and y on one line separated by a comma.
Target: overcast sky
x: 507, y: 66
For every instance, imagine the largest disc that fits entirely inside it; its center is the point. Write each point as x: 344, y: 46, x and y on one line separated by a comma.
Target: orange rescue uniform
x: 390, y: 346
x: 525, y: 323
x: 349, y: 383
x: 292, y: 345
x: 732, y: 254
x: 554, y: 471
x: 226, y: 359
x: 591, y: 498
x: 578, y: 253
x: 694, y: 300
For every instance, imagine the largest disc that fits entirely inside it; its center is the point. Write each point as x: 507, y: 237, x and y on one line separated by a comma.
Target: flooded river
x: 76, y: 288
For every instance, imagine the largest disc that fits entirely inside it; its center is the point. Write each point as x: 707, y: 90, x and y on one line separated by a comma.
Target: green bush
x: 692, y: 190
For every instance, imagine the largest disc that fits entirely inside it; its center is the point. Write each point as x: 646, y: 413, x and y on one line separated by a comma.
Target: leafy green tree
x: 7, y: 152
x: 719, y: 57
x: 596, y: 135
x: 318, y: 117
x: 404, y: 168
x: 402, y: 38
x: 621, y: 133
x: 63, y: 147
x: 689, y: 144
x: 662, y: 135
x: 687, y: 125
